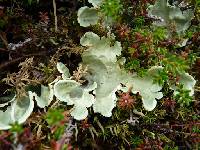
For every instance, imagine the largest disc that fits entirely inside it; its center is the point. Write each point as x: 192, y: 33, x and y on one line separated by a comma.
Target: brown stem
x: 55, y: 16
x: 3, y: 50
x: 9, y: 63
x: 3, y: 38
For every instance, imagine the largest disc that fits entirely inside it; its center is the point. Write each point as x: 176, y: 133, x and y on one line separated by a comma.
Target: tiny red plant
x: 126, y: 101
x: 169, y: 103
x: 123, y: 31
x: 44, y: 17
x: 1, y: 11
x: 85, y: 124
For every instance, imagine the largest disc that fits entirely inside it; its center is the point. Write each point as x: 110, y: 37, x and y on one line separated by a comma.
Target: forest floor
x: 37, y: 34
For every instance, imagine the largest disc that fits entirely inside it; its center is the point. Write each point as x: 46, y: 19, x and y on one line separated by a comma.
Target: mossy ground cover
x: 36, y: 36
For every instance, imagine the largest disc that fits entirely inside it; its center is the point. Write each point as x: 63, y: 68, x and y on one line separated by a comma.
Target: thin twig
x: 55, y: 16
x: 3, y: 38
x: 138, y: 113
x: 3, y: 50
x: 139, y: 40
x: 33, y: 81
x: 6, y: 64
